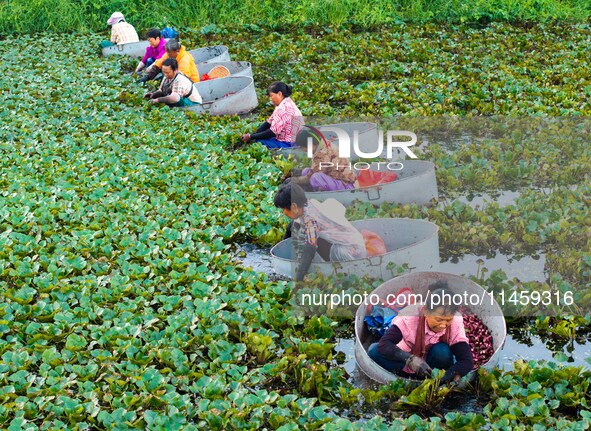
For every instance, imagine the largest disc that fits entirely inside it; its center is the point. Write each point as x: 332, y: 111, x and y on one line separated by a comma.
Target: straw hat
x: 115, y: 18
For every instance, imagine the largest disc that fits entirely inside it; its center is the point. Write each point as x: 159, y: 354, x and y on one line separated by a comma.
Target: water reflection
x: 525, y: 268
x: 255, y: 257
x: 356, y: 376
x: 537, y: 350
x: 513, y: 350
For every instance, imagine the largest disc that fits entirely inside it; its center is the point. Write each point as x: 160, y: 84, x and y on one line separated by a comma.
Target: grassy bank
x: 24, y: 16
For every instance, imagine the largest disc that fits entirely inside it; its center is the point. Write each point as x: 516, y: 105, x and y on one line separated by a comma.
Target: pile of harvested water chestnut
x: 480, y: 338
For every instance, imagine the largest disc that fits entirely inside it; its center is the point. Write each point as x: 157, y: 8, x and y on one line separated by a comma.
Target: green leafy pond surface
x: 122, y: 305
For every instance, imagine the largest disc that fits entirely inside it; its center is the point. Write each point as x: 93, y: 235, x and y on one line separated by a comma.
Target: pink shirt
x: 286, y: 121
x: 155, y: 53
x: 408, y: 321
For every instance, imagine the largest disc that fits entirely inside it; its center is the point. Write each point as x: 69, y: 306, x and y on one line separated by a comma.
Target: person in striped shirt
x: 319, y: 230
x: 281, y: 128
x: 121, y: 31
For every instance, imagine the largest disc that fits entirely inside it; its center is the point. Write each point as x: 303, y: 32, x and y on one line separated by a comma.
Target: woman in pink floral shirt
x: 281, y: 128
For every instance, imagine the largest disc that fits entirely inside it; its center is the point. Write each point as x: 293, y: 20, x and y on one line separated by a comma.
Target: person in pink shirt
x: 423, y: 337
x: 154, y: 51
x: 281, y: 128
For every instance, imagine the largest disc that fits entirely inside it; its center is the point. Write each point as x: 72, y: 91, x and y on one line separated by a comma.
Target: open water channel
x: 526, y: 268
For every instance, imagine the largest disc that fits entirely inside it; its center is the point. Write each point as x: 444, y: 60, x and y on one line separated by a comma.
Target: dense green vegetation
x: 21, y: 16
x: 120, y: 304
x: 423, y: 70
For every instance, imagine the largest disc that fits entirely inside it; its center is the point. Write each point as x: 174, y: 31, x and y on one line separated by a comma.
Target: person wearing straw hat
x: 121, y: 31
x: 319, y: 230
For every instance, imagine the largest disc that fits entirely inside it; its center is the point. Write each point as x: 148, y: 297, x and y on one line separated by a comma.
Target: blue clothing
x: 439, y: 356
x: 169, y: 33
x: 383, y: 361
x: 380, y: 318
x: 275, y: 143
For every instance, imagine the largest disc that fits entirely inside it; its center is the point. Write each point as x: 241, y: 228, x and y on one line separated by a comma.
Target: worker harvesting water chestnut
x: 281, y: 128
x: 426, y: 336
x: 154, y: 51
x: 328, y: 172
x: 175, y: 89
x: 185, y: 61
x: 318, y: 229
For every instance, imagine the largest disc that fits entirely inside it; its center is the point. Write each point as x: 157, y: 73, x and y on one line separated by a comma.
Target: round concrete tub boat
x: 408, y: 241
x: 367, y: 136
x: 215, y: 53
x: 132, y: 49
x: 489, y: 312
x: 226, y: 96
x: 416, y: 183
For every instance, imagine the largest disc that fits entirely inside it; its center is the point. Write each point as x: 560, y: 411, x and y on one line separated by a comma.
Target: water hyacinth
x: 121, y: 306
